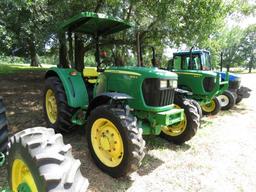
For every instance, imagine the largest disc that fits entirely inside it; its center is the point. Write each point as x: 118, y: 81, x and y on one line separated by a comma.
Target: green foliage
x: 247, y: 48
x: 31, y: 24
x: 237, y: 45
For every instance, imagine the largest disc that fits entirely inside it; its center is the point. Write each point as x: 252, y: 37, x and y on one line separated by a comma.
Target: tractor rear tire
x: 39, y: 159
x: 191, y: 123
x: 227, y: 100
x: 115, y: 141
x: 3, y: 128
x: 198, y: 107
x: 60, y: 118
x: 215, y: 110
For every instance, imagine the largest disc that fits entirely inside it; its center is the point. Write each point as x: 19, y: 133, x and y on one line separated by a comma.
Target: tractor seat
x: 90, y: 74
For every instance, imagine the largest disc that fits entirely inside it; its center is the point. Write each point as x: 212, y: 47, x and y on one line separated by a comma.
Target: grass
x: 241, y: 70
x: 14, y: 68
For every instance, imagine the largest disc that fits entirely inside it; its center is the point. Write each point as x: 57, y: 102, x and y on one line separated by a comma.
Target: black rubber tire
x: 49, y: 160
x: 216, y: 109
x: 4, y: 131
x: 131, y: 135
x: 239, y: 99
x: 231, y: 100
x: 193, y: 122
x: 64, y: 112
x: 198, y: 107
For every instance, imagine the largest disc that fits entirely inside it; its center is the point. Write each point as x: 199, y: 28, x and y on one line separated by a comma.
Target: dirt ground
x: 221, y: 157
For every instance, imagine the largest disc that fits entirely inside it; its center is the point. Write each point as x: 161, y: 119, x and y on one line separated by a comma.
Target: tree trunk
x: 79, y: 53
x: 63, y: 52
x: 32, y: 51
x: 251, y: 64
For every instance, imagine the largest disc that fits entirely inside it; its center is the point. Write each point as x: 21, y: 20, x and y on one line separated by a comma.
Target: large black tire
x: 215, y: 110
x: 129, y: 134
x: 192, y: 120
x: 227, y: 100
x: 239, y: 99
x: 198, y: 107
x: 3, y: 128
x: 47, y: 158
x: 242, y: 92
x: 64, y: 112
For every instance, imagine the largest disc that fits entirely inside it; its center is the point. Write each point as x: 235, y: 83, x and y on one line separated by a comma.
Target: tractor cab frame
x: 95, y: 25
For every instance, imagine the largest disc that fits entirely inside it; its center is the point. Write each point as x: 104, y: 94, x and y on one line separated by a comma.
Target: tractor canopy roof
x: 198, y: 51
x: 94, y: 24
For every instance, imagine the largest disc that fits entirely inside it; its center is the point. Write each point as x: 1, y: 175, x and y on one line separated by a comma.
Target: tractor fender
x: 73, y: 84
x: 105, y: 98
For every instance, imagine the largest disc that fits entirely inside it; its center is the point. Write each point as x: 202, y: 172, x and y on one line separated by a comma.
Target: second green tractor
x: 194, y: 75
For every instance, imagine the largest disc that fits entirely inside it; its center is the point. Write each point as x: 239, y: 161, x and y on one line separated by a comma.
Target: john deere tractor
x: 235, y: 92
x: 38, y: 160
x: 191, y: 67
x: 115, y: 104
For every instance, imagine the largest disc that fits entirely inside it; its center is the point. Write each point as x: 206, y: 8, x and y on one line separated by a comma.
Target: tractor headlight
x: 173, y: 83
x: 163, y: 84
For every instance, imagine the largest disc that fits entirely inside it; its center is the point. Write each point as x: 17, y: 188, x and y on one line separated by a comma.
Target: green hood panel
x: 145, y: 72
x: 196, y: 73
x: 129, y: 80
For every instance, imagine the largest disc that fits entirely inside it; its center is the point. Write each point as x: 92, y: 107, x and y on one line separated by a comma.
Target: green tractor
x: 38, y: 160
x: 193, y: 75
x: 116, y: 104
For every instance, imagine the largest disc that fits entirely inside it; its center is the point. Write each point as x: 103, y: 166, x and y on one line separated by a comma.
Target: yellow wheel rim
x: 51, y: 106
x: 176, y: 129
x: 209, y: 107
x: 21, y: 174
x: 107, y: 142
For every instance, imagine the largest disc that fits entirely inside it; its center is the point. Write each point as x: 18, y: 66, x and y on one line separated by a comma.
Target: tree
x: 159, y: 23
x: 247, y: 47
x: 27, y: 21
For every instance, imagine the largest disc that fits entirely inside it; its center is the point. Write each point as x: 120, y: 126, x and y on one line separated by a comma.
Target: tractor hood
x: 196, y: 72
x: 232, y: 76
x: 147, y: 72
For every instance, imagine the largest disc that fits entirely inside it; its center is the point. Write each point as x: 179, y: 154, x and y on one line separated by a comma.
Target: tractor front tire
x: 198, y: 107
x: 115, y: 141
x: 57, y: 112
x: 212, y: 108
x: 39, y: 160
x: 227, y: 100
x: 186, y: 129
x: 3, y: 128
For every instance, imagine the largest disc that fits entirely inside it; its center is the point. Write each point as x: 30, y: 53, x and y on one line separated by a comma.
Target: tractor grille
x: 209, y: 83
x: 156, y: 96
x: 234, y: 84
